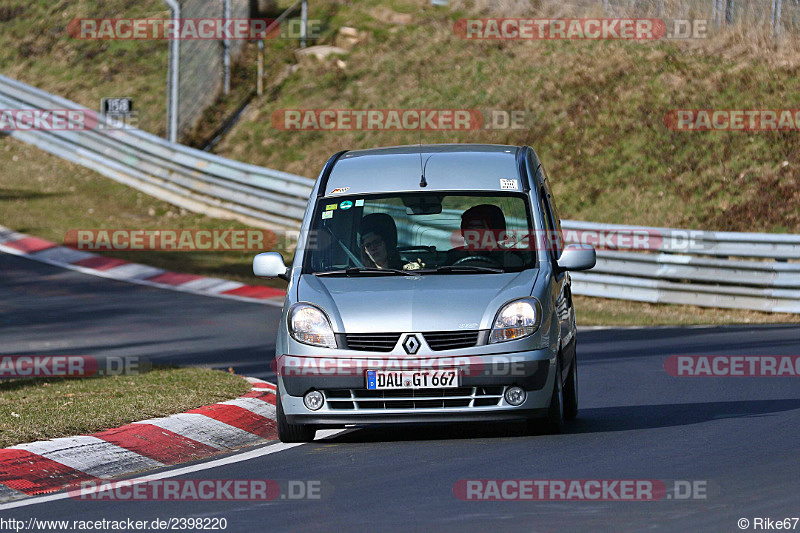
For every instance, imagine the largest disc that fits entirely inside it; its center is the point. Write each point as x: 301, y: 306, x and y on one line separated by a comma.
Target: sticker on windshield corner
x: 360, y: 203
x: 340, y: 190
x: 508, y: 184
x: 347, y: 204
x: 330, y: 207
x: 327, y: 214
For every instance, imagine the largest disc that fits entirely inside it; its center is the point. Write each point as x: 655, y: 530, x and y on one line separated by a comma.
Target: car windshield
x: 420, y: 233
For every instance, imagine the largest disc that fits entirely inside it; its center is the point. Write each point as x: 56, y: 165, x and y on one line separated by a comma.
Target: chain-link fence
x: 779, y: 15
x: 203, y: 64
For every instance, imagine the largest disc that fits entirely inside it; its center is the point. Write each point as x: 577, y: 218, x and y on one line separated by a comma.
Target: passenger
x: 378, y: 242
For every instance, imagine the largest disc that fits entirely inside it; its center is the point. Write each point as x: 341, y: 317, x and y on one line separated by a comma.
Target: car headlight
x: 309, y: 325
x: 516, y: 319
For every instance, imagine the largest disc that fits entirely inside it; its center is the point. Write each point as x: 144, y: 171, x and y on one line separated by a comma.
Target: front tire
x: 292, y: 432
x: 555, y: 414
x: 571, y: 391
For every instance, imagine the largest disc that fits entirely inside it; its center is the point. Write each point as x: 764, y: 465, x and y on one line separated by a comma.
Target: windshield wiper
x: 355, y: 271
x: 447, y: 269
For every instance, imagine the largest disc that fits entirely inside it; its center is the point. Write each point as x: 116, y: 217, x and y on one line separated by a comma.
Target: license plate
x: 412, y: 379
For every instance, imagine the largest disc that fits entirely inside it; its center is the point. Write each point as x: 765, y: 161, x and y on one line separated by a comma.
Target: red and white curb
x: 54, y: 254
x: 49, y: 466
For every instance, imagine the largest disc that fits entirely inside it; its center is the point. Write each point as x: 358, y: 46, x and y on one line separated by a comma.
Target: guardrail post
x: 172, y: 75
x: 226, y: 50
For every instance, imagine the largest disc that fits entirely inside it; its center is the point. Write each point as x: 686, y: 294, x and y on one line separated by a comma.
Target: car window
x: 552, y: 231
x: 421, y: 232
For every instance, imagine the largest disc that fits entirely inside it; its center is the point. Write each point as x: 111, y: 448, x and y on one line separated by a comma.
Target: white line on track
x: 237, y: 458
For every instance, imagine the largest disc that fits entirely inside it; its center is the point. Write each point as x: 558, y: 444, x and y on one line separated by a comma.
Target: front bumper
x: 479, y: 397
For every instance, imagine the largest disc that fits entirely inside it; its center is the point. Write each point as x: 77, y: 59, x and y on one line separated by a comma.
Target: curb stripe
x: 241, y: 418
x: 206, y: 430
x: 30, y: 244
x: 30, y: 473
x: 8, y: 495
x: 174, y: 278
x: 6, y: 235
x: 255, y: 405
x: 156, y: 443
x: 62, y: 254
x: 132, y: 271
x: 101, y: 262
x: 96, y: 457
x: 63, y: 463
x: 55, y: 254
x: 257, y: 291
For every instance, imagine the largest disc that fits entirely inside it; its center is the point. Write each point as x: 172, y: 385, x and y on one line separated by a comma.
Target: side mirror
x: 270, y: 265
x: 577, y: 257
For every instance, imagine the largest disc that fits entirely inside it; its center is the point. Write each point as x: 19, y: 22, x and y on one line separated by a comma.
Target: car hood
x: 438, y: 302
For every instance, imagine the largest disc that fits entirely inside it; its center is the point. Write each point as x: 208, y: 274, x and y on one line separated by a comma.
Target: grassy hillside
x: 36, y: 49
x: 596, y: 113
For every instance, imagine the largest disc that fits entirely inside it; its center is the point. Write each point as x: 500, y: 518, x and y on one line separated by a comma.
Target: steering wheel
x: 478, y: 259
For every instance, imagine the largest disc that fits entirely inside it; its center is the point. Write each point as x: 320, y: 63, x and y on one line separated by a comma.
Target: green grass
x: 606, y: 312
x: 36, y: 49
x: 37, y: 408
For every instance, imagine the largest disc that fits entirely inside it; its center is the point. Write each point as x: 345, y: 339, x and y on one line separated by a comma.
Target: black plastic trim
x: 326, y: 172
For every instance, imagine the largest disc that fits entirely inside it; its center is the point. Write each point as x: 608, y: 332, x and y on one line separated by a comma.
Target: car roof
x: 467, y: 167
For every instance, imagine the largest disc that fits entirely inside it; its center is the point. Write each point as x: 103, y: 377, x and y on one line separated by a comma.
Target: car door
x: 561, y: 282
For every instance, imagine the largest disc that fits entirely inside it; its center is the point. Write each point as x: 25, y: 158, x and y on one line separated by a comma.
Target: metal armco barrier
x: 710, y: 269
x: 183, y: 176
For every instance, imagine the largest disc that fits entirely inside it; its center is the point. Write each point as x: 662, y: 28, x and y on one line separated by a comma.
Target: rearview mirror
x: 270, y: 265
x: 423, y: 205
x: 577, y: 257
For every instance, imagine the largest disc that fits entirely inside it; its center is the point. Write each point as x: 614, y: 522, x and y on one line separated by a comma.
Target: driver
x: 482, y: 227
x: 378, y: 242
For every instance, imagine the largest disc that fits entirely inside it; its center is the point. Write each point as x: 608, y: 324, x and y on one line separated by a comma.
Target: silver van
x: 429, y: 284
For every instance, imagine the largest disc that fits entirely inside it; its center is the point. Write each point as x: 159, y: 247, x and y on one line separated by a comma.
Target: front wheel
x: 292, y: 432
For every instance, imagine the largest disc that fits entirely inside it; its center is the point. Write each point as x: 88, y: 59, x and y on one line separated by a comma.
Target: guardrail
x: 184, y: 176
x: 760, y: 277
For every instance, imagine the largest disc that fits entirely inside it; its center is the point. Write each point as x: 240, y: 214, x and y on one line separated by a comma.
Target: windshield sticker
x: 327, y: 214
x: 360, y: 203
x: 340, y: 190
x: 330, y: 207
x: 508, y: 184
x: 347, y: 204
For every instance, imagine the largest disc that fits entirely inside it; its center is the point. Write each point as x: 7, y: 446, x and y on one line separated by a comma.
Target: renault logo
x: 411, y: 344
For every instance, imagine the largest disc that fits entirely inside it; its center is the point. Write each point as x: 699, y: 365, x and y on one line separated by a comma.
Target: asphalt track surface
x: 738, y: 437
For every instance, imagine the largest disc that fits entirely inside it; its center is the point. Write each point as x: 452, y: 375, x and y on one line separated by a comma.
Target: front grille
x: 372, y: 342
x: 437, y: 340
x: 355, y: 399
x: 450, y: 340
